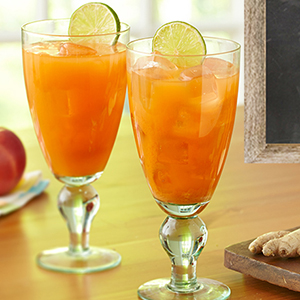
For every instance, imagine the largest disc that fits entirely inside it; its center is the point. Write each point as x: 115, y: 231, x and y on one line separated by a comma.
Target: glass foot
x: 208, y: 289
x: 93, y: 260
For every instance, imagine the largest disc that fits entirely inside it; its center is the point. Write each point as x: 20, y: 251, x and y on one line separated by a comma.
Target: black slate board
x: 283, y: 71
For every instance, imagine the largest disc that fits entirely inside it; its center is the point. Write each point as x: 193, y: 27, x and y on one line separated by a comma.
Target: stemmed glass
x: 182, y: 118
x: 76, y: 89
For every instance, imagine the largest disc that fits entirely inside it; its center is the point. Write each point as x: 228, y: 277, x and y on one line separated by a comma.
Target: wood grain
x: 250, y: 199
x: 275, y: 270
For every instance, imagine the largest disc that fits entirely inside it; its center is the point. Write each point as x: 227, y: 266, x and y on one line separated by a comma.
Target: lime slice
x: 96, y: 19
x: 180, y: 39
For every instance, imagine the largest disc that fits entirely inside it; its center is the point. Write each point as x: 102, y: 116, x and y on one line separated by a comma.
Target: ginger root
x: 257, y: 245
x: 278, y: 243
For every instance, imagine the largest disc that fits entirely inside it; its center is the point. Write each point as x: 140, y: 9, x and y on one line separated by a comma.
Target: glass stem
x: 78, y: 206
x: 183, y: 239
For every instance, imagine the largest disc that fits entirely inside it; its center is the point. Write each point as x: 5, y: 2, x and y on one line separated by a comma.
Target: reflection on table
x: 250, y: 199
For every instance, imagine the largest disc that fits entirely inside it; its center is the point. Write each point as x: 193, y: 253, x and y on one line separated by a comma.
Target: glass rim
x: 237, y: 48
x: 23, y: 28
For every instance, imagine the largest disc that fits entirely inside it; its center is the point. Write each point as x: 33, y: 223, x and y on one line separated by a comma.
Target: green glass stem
x: 183, y: 239
x: 78, y: 205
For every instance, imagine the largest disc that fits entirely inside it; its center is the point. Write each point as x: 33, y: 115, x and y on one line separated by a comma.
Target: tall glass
x: 182, y: 112
x: 76, y: 89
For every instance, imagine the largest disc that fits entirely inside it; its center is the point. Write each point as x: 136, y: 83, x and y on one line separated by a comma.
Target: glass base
x: 182, y: 210
x: 158, y: 290
x: 79, y: 180
x: 93, y: 260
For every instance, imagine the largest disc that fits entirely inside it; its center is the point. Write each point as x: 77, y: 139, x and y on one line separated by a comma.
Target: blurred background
x: 222, y: 18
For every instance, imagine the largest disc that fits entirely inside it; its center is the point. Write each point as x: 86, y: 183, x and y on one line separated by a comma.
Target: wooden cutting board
x: 278, y: 271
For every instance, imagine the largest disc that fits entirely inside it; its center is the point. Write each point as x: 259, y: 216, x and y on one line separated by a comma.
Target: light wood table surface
x: 250, y: 199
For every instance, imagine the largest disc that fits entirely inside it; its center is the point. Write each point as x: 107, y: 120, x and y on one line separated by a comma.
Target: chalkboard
x: 283, y: 71
x: 272, y: 81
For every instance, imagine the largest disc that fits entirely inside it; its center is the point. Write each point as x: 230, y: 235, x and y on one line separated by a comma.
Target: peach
x: 12, y: 160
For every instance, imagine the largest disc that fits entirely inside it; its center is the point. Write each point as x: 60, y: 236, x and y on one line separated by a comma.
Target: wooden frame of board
x: 256, y: 150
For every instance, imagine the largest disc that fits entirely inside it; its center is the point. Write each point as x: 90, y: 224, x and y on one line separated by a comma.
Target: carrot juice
x: 182, y: 120
x: 76, y: 96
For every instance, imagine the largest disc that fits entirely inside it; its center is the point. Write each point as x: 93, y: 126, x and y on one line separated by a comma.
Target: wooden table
x: 250, y: 199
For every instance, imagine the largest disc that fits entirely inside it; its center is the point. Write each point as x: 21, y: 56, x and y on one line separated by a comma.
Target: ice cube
x: 141, y: 90
x: 202, y: 82
x: 155, y: 67
x: 221, y: 68
x: 187, y: 122
x: 144, y: 71
x: 51, y: 48
x: 162, y: 180
x: 173, y: 152
x: 105, y: 49
x: 210, y: 114
x: 203, y: 86
x: 71, y: 49
x: 195, y: 72
x: 140, y: 138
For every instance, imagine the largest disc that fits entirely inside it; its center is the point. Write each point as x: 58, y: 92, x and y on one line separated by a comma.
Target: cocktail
x: 76, y: 85
x: 182, y: 111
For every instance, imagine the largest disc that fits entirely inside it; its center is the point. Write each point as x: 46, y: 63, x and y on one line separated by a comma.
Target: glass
x: 76, y: 89
x: 182, y: 119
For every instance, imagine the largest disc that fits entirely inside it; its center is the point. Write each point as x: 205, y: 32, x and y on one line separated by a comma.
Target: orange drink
x: 182, y: 95
x: 76, y: 96
x: 75, y: 78
x: 182, y: 120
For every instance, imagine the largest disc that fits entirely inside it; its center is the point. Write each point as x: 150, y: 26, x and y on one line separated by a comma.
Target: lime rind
x: 182, y: 42
x: 97, y: 20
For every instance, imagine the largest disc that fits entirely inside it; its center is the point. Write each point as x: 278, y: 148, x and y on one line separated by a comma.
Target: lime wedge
x: 96, y: 19
x: 180, y: 39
